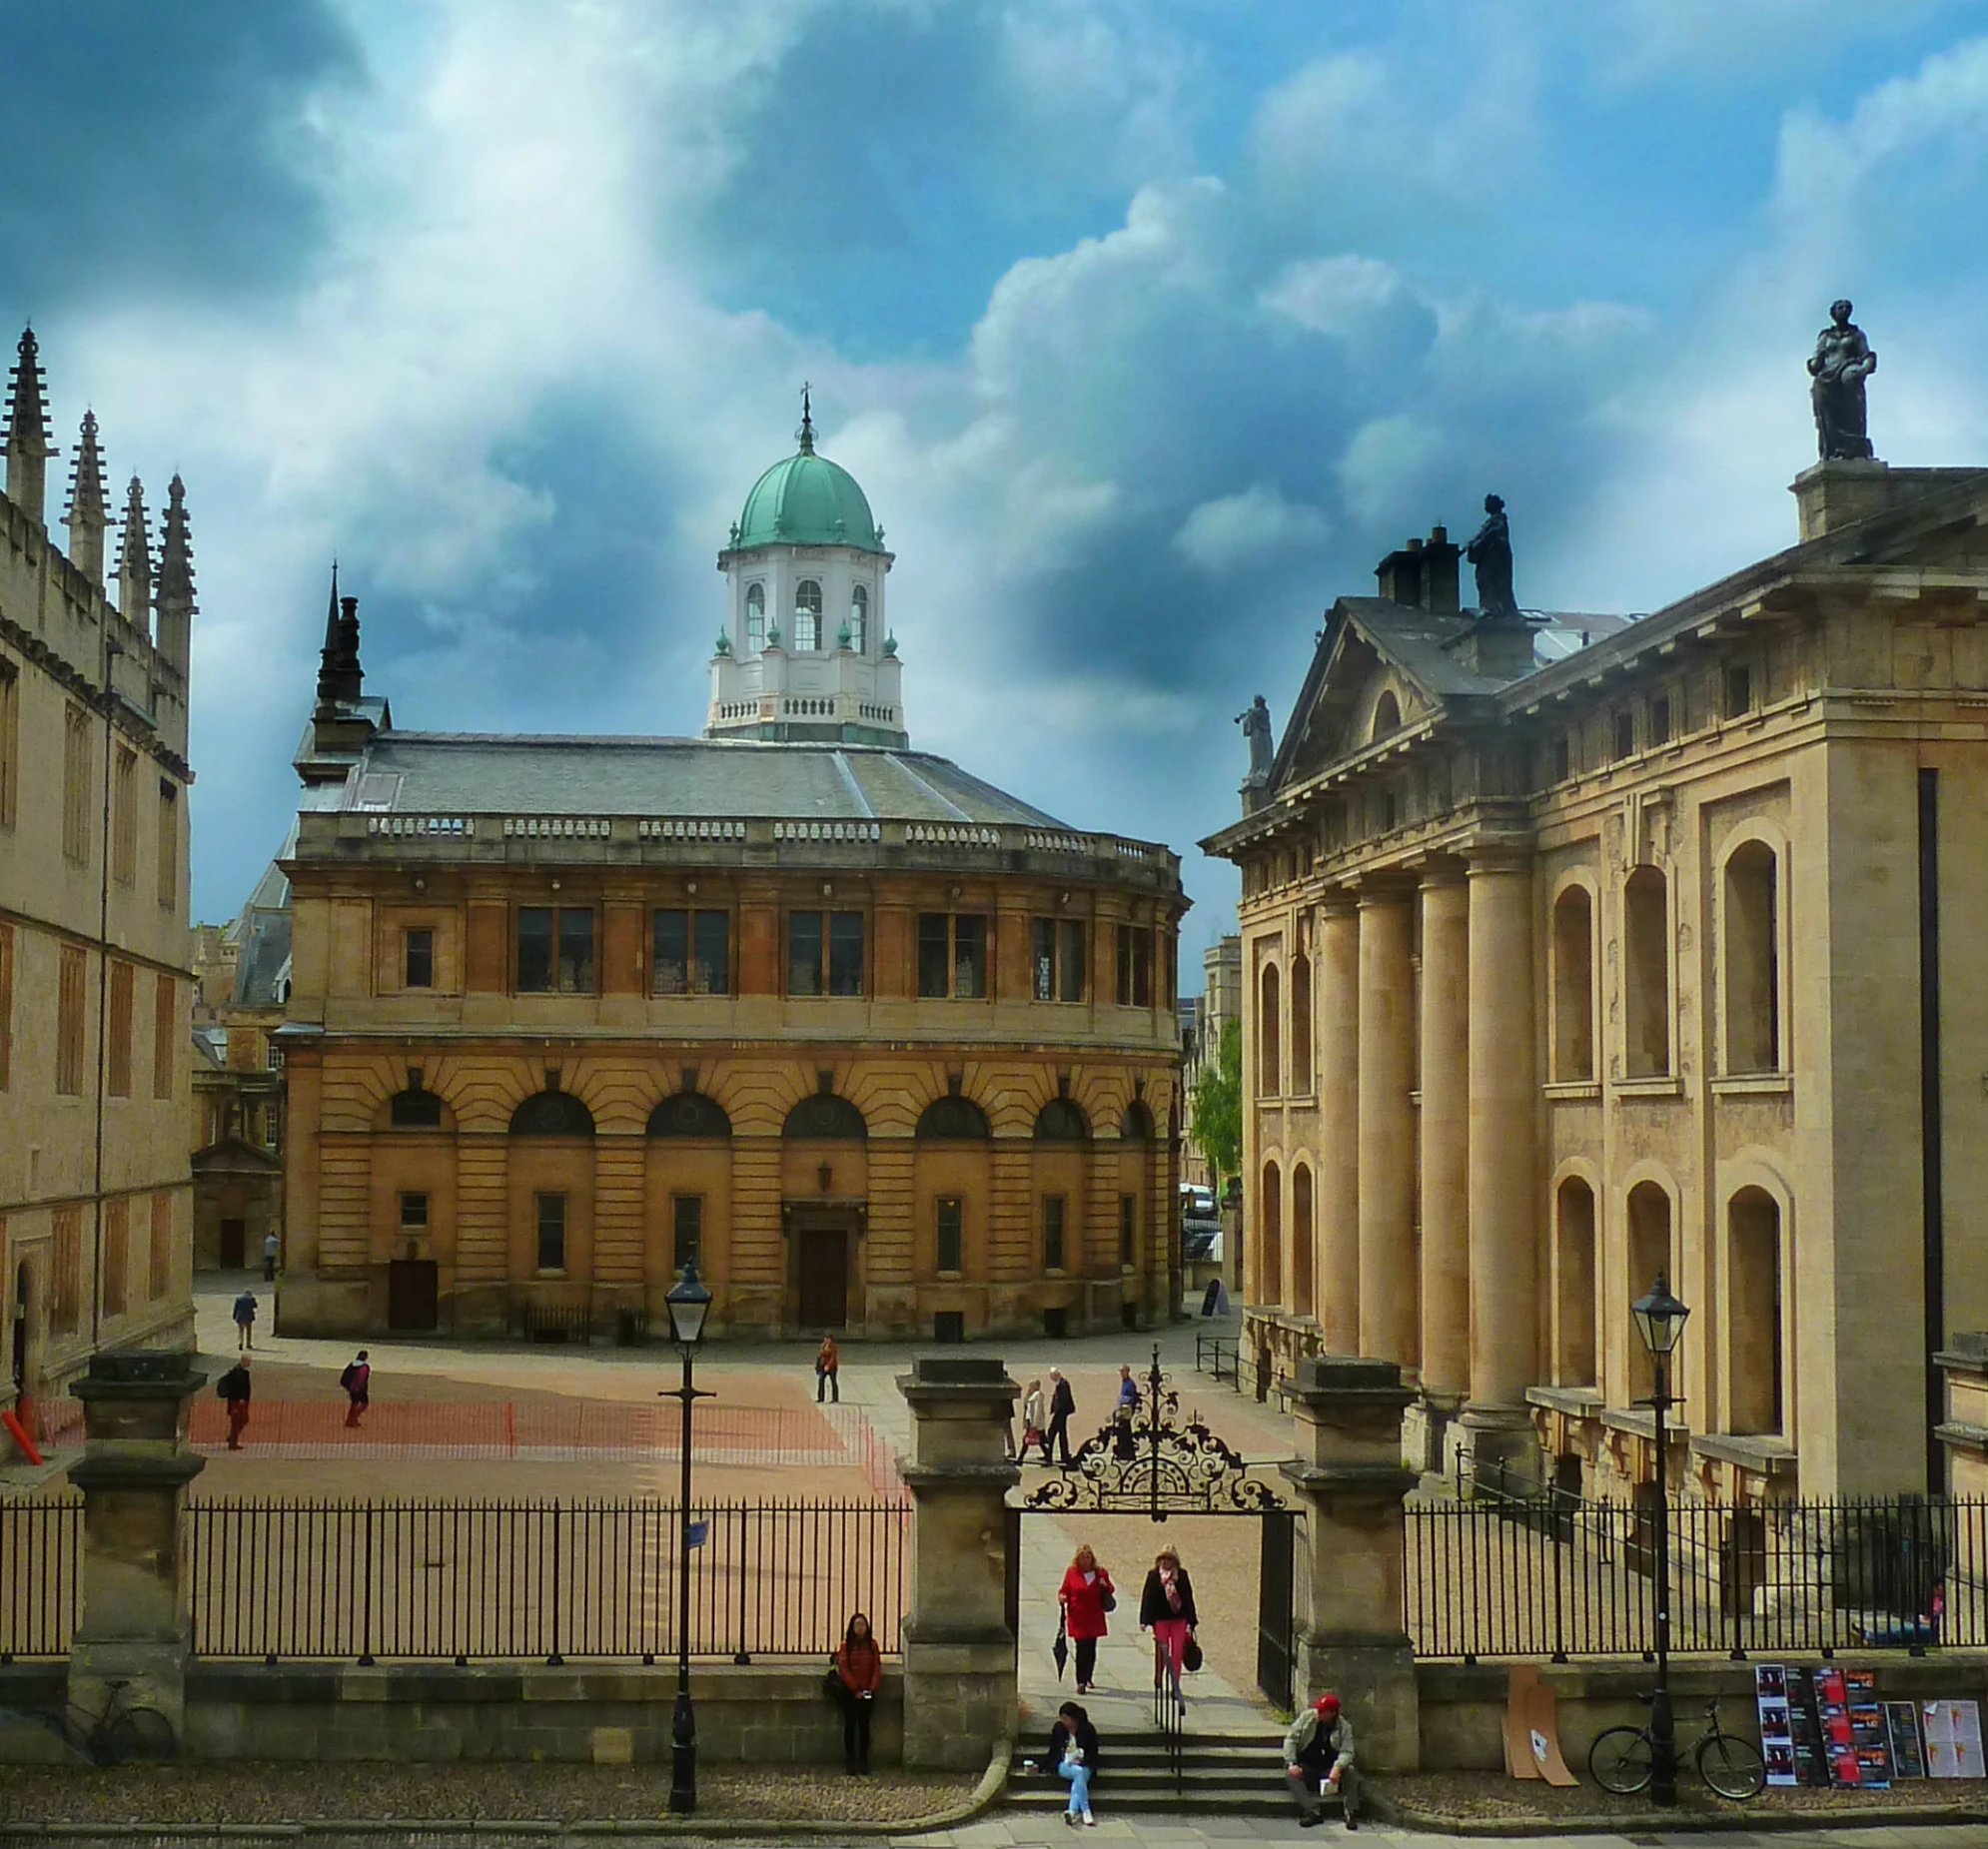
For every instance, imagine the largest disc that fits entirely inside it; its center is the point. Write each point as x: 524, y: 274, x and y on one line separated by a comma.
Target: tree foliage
x: 1216, y: 1128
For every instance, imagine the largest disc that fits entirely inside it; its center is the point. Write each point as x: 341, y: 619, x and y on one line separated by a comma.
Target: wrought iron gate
x: 1274, y: 1641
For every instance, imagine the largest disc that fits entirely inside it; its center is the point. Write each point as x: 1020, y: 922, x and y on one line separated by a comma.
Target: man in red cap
x: 1317, y: 1757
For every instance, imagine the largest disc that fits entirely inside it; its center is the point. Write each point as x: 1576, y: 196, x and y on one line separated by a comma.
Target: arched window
x: 825, y: 1118
x: 1269, y: 1063
x: 953, y: 1120
x: 1060, y: 1121
x: 1300, y: 1241
x: 1573, y: 986
x: 689, y: 1114
x: 1650, y: 1259
x: 552, y: 1113
x: 1269, y: 1235
x: 1386, y: 715
x: 755, y: 618
x: 807, y: 617
x: 1136, y: 1126
x: 1647, y: 976
x: 1574, y: 1285
x: 1752, y: 960
x: 1754, y: 1359
x: 415, y: 1109
x: 860, y: 620
x: 1301, y: 1024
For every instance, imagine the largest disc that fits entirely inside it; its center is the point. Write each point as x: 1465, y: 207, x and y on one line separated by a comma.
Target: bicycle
x: 120, y: 1736
x: 1623, y: 1759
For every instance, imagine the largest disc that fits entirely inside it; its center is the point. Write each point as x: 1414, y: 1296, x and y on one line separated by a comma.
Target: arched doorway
x: 824, y: 1183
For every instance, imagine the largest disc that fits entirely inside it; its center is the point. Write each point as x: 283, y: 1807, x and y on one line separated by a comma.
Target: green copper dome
x: 807, y: 500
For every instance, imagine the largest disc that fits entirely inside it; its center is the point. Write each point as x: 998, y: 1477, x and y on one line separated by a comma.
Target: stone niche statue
x: 1490, y: 552
x: 1256, y: 729
x: 1843, y: 361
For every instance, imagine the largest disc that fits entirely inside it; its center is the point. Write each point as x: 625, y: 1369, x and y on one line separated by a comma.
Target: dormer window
x: 755, y: 618
x: 807, y: 617
x: 860, y: 620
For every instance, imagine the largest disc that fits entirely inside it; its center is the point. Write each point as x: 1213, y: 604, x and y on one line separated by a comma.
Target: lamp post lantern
x: 1660, y: 1320
x: 690, y: 1302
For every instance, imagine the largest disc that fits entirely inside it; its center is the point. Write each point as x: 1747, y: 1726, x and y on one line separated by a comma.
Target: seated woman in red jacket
x: 1086, y: 1587
x: 859, y: 1664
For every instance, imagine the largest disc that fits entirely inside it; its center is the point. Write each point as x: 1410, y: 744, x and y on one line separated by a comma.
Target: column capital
x: 1338, y: 902
x: 1378, y: 889
x: 1441, y: 870
x: 1499, y: 856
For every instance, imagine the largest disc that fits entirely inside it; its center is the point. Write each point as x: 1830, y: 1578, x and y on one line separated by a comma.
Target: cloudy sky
x: 1146, y: 327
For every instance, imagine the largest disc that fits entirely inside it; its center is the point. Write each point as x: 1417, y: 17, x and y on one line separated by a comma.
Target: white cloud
x: 1239, y: 530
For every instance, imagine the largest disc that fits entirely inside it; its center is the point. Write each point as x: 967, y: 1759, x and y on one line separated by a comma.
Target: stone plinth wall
x: 1462, y: 1705
x: 425, y: 1712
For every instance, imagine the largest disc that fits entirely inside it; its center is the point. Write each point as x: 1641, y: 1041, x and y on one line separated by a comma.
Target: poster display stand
x: 1908, y: 1751
x: 1953, y: 1739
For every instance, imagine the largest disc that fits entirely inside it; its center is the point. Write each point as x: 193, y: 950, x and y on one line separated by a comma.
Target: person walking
x: 1032, y: 1421
x: 826, y: 1362
x: 1086, y: 1596
x: 1062, y: 1408
x: 233, y: 1387
x: 244, y: 1320
x: 859, y: 1669
x: 356, y: 1381
x: 272, y: 1251
x: 1317, y: 1750
x: 1166, y: 1608
x: 1073, y: 1755
x: 1128, y: 1392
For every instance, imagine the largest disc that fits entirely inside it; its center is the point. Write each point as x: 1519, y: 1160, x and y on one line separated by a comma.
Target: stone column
x: 1348, y: 1472
x: 1336, y: 1203
x: 1505, y: 1234
x: 1387, y: 1128
x: 1444, y: 1133
x: 133, y: 1474
x: 959, y: 1654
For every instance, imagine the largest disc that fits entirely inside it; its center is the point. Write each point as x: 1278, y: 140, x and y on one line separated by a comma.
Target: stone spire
x: 134, y: 561
x: 176, y: 604
x: 340, y: 679
x: 86, y: 514
x: 28, y: 447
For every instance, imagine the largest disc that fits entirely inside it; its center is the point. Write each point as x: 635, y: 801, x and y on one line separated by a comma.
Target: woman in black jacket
x: 1073, y: 1754
x: 1166, y: 1608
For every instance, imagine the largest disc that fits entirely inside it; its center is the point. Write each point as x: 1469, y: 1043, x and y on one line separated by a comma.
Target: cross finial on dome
x: 806, y: 430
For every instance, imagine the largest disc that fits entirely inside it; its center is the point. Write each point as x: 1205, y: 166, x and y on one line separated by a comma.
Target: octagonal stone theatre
x: 887, y: 1050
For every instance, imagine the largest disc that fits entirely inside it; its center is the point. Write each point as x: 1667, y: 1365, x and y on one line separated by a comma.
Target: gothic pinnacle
x: 27, y: 441
x: 175, y: 551
x: 87, y: 514
x: 134, y: 561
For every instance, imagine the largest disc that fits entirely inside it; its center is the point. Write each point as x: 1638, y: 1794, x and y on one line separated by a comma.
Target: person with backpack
x: 357, y: 1372
x: 1318, y: 1751
x: 233, y: 1387
x: 244, y: 1320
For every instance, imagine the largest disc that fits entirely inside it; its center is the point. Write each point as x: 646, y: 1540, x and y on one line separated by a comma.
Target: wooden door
x: 410, y: 1293
x: 234, y: 1244
x: 824, y: 1280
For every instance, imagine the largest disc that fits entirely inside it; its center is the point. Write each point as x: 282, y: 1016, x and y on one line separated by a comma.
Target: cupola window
x: 860, y: 620
x: 807, y: 617
x: 755, y: 618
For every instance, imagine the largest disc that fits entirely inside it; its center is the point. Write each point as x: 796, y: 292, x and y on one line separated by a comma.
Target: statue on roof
x: 1489, y: 553
x: 1256, y: 730
x: 1843, y: 361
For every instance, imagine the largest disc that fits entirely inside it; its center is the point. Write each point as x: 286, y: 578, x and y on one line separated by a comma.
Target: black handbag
x: 835, y: 1688
x: 1190, y: 1656
x: 1107, y: 1600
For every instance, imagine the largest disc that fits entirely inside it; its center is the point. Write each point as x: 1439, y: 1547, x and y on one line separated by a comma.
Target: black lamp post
x: 690, y: 1302
x: 1661, y: 1320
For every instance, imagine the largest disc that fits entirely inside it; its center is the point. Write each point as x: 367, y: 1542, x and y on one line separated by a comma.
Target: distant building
x: 95, y: 1202
x: 1581, y: 952
x: 884, y: 1049
x: 1218, y: 1003
x: 243, y: 975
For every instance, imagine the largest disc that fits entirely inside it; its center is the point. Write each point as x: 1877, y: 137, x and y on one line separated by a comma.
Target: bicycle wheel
x: 140, y: 1734
x: 1621, y: 1760
x: 1732, y: 1767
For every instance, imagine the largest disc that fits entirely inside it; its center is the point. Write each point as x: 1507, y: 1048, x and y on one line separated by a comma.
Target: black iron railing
x: 1220, y: 1355
x: 443, y: 1581
x: 1557, y: 1577
x: 41, y: 1575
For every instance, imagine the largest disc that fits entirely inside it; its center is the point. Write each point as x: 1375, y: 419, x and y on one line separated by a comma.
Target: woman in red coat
x: 1086, y: 1589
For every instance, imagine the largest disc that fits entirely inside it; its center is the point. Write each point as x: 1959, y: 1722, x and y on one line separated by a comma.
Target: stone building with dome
x: 888, y: 1051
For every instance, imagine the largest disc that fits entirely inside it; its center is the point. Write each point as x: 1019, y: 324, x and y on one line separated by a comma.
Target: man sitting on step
x: 1318, y: 1759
